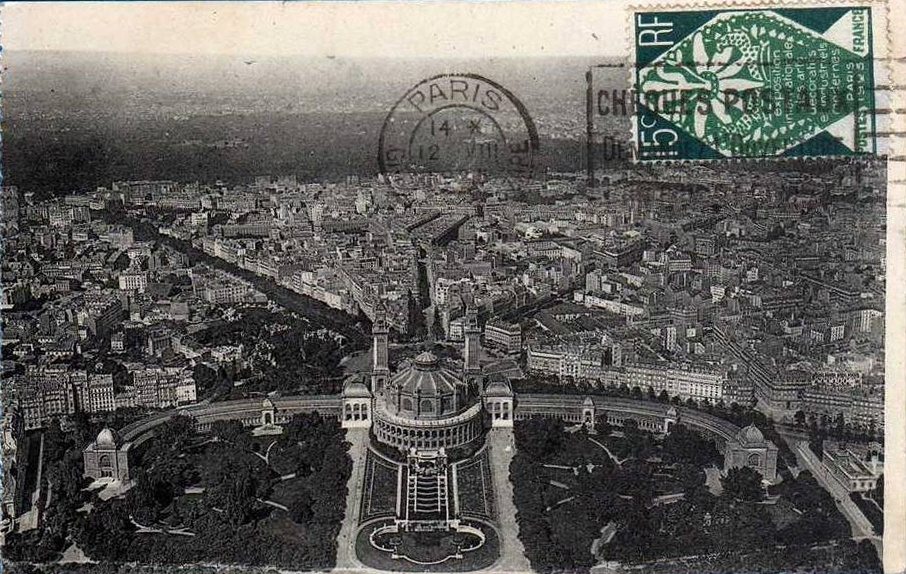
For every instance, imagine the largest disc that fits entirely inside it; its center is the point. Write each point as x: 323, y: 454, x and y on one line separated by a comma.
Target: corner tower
x: 380, y: 370
x: 472, y: 350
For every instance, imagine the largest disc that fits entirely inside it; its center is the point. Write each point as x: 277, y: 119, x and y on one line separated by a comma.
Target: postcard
x: 595, y: 286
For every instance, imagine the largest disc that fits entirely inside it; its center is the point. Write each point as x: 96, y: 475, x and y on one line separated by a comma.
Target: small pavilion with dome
x: 107, y: 457
x: 751, y: 449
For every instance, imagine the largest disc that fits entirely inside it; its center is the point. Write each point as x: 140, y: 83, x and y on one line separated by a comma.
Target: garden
x: 632, y: 497
x: 475, y: 488
x: 224, y: 498
x: 283, y: 353
x: 380, y: 487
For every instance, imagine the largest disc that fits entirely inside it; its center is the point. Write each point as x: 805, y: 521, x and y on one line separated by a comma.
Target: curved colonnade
x: 649, y: 415
x: 250, y: 412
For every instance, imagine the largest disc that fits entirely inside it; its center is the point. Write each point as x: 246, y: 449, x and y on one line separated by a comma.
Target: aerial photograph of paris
x: 403, y: 300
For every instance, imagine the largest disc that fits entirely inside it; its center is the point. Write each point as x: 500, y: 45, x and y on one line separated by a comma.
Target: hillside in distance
x: 75, y: 120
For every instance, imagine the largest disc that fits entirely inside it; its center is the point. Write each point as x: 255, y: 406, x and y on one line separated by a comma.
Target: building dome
x: 498, y: 386
x: 427, y: 406
x: 106, y: 438
x: 426, y: 390
x: 426, y: 377
x: 426, y: 359
x: 750, y: 435
x: 355, y: 388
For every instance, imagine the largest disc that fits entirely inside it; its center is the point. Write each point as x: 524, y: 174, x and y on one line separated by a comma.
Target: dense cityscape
x: 754, y: 297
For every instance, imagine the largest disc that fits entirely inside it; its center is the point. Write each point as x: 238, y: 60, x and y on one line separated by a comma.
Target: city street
x: 861, y: 527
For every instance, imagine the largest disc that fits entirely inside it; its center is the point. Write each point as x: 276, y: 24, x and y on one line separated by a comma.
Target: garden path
x: 346, y: 558
x: 512, y: 553
x: 615, y: 460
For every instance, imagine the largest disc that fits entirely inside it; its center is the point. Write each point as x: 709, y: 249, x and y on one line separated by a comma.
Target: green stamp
x: 754, y: 83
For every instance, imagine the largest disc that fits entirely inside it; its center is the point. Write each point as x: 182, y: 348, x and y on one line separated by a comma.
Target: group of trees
x: 554, y: 536
x: 211, y: 381
x: 685, y: 445
x: 319, y: 313
x: 287, y: 358
x: 558, y: 535
x: 539, y: 437
x: 229, y: 523
x: 735, y: 524
x: 743, y: 484
x: 824, y: 426
x: 557, y: 526
x: 820, y: 520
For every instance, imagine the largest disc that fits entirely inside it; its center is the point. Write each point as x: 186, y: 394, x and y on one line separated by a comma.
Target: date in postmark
x: 455, y: 123
x: 753, y: 83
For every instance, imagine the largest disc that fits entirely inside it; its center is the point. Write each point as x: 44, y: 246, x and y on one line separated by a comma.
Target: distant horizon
x: 340, y: 29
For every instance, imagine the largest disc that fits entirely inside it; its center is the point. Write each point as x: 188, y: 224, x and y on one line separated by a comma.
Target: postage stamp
x: 716, y: 84
x: 455, y: 123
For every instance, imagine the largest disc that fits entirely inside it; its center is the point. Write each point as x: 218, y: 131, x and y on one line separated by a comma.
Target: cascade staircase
x: 427, y: 497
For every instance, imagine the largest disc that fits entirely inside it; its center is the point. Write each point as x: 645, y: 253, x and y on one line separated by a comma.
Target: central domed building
x: 434, y: 414
x: 429, y: 404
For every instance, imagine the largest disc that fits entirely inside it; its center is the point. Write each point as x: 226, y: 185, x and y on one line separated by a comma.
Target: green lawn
x: 476, y: 493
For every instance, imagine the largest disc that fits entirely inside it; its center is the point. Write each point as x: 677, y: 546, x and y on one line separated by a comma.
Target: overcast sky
x: 344, y: 29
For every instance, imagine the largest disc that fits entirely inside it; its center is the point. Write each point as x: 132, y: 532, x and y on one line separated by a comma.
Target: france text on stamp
x: 714, y: 84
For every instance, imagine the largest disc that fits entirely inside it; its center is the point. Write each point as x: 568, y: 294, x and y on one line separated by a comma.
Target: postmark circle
x: 456, y: 123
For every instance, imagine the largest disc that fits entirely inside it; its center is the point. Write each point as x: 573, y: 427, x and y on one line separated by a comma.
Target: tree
x: 437, y: 326
x: 602, y: 427
x: 799, y: 418
x: 122, y: 262
x: 229, y: 431
x: 540, y: 437
x: 177, y: 433
x: 872, y: 429
x: 816, y: 444
x: 878, y: 493
x: 691, y: 477
x: 866, y: 558
x: 839, y: 424
x: 743, y: 484
x: 663, y: 396
x: 300, y: 510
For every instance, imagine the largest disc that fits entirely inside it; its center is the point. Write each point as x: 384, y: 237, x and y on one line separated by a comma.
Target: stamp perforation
x: 876, y: 73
